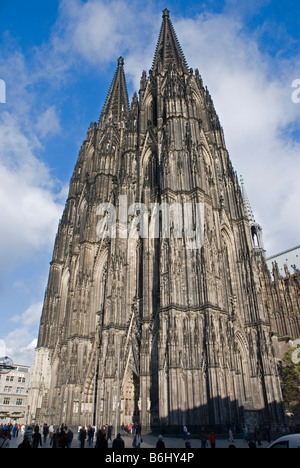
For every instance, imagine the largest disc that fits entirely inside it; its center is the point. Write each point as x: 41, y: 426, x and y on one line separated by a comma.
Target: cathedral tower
x: 154, y: 310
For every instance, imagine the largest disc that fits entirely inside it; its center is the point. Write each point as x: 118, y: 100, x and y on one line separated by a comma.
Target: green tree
x: 291, y: 382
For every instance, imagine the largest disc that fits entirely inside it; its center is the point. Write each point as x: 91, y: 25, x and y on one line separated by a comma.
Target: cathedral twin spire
x: 168, y: 51
x: 117, y: 104
x: 168, y: 54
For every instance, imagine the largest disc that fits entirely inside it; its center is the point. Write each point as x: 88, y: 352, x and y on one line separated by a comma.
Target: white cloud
x: 30, y: 317
x: 252, y: 95
x: 2, y: 348
x: 31, y: 200
x: 48, y: 123
x: 21, y: 342
x: 20, y: 346
x: 29, y: 207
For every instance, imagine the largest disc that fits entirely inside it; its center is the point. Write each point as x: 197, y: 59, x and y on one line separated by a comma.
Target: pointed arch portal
x: 130, y: 400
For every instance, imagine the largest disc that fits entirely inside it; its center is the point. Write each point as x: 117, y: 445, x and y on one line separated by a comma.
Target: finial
x: 166, y: 13
x: 121, y: 61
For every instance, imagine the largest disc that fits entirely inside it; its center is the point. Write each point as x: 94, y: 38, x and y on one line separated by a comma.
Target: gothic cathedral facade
x: 149, y: 328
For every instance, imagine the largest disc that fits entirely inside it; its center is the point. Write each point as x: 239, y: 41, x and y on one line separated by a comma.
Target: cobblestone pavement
x: 149, y: 442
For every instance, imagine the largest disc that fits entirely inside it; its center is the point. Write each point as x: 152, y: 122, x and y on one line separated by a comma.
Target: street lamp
x: 6, y: 365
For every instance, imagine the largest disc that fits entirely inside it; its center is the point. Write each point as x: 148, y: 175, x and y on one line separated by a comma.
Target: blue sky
x: 58, y: 58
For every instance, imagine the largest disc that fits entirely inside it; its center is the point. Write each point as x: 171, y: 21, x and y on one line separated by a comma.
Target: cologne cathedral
x: 147, y: 329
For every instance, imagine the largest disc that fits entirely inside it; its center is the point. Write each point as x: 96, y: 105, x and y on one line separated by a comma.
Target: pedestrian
x: 28, y: 432
x: 203, y: 438
x: 51, y: 431
x: 15, y: 430
x: 137, y: 441
x: 231, y: 438
x: 36, y: 438
x: 25, y: 444
x: 4, y: 440
x: 212, y: 440
x: 70, y: 437
x: 185, y: 433
x: 118, y: 443
x: 82, y: 436
x: 257, y: 435
x: 55, y: 439
x: 101, y: 442
x: 246, y: 435
x: 268, y: 434
x: 252, y: 445
x: 63, y: 438
x: 91, y: 433
x: 45, y: 432
x: 109, y: 432
x: 160, y: 445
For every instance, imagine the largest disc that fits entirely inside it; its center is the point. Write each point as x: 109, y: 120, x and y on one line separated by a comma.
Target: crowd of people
x: 34, y: 436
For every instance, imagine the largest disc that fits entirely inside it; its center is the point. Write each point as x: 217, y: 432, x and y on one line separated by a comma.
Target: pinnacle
x: 117, y: 104
x: 168, y: 50
x: 248, y: 209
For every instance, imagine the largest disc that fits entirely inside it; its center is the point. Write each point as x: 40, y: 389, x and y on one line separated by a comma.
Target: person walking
x: 36, y: 438
x: 91, y: 433
x: 101, y: 442
x: 28, y: 432
x: 246, y: 435
x: 82, y: 435
x: 51, y: 431
x: 160, y: 445
x: 137, y: 441
x: 55, y: 439
x: 212, y: 440
x: 109, y: 432
x: 4, y: 440
x: 45, y: 432
x: 185, y: 433
x: 63, y: 438
x: 25, y: 444
x: 118, y: 443
x: 203, y: 438
x: 15, y: 430
x: 70, y: 437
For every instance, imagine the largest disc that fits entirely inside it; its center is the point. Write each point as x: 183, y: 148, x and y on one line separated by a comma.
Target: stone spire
x: 168, y: 50
x: 116, y: 107
x: 248, y: 209
x: 255, y: 228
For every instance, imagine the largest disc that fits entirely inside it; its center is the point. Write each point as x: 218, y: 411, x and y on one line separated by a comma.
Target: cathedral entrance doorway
x: 131, y: 397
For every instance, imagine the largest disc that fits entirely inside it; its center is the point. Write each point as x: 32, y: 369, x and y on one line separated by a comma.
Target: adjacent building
x: 13, y: 395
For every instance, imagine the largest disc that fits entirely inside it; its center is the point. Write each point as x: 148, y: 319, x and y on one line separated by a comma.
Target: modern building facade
x: 154, y: 310
x: 13, y: 395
